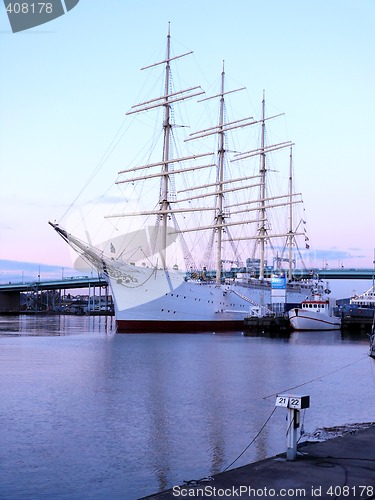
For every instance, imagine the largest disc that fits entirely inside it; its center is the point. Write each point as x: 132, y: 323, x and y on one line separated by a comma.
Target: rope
x: 110, y: 149
x: 196, y: 482
x: 251, y: 442
x: 315, y: 379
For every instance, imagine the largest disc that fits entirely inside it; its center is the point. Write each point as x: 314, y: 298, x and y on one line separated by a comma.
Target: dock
x: 357, y: 324
x: 342, y: 467
x: 267, y: 324
x: 353, y: 323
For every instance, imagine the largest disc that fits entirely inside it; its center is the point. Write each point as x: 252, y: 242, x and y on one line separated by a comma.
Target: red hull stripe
x: 313, y: 319
x: 132, y: 326
x: 321, y: 302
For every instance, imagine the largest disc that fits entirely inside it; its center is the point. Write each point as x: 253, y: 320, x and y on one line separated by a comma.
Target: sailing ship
x: 151, y: 291
x: 316, y: 312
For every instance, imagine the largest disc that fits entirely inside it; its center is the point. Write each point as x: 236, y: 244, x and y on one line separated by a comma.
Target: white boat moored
x: 315, y: 313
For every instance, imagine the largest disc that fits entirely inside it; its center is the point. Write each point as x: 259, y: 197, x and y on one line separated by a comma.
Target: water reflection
x: 103, y: 415
x: 324, y: 337
x: 283, y: 334
x: 53, y: 325
x: 311, y: 336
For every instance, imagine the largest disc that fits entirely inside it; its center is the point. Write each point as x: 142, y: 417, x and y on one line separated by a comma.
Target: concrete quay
x: 339, y: 468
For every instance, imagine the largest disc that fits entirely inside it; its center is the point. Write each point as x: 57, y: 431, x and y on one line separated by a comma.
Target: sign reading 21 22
x: 27, y: 14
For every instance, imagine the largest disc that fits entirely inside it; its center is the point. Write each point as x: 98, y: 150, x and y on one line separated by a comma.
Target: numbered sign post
x: 293, y: 404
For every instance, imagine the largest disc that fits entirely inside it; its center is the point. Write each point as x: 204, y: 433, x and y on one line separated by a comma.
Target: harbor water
x: 89, y: 414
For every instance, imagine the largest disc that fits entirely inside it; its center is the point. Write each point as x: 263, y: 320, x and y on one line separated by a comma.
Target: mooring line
x: 314, y: 379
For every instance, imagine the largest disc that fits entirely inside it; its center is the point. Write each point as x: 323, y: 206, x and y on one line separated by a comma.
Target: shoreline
x: 342, y: 466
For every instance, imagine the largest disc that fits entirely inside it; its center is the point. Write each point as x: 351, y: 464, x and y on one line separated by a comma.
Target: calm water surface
x: 90, y: 414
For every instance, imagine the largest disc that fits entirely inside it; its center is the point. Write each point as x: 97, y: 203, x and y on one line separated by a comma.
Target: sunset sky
x: 65, y: 88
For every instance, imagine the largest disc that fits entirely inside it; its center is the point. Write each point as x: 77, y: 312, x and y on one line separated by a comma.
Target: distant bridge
x: 46, y: 295
x: 329, y: 274
x: 342, y: 274
x: 57, y: 284
x: 335, y: 274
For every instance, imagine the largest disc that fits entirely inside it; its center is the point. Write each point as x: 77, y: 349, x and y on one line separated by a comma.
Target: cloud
x: 335, y: 258
x: 332, y: 253
x: 23, y: 271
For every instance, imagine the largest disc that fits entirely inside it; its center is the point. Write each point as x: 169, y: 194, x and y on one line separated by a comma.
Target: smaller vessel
x: 365, y: 299
x: 360, y: 305
x: 316, y: 312
x: 364, y: 303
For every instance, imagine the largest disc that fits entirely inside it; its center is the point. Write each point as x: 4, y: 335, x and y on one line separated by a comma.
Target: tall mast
x: 290, y: 233
x: 221, y: 184
x: 166, y: 101
x: 262, y: 210
x: 220, y: 179
x: 164, y: 203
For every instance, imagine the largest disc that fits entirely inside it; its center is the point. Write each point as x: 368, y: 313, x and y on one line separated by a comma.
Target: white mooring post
x: 293, y: 404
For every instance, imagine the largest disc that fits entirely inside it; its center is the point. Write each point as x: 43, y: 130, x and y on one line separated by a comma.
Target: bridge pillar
x: 9, y: 302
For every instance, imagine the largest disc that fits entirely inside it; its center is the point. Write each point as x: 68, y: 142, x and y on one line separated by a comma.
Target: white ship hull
x: 149, y: 300
x: 310, y: 320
